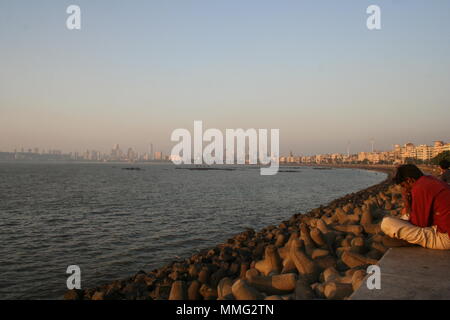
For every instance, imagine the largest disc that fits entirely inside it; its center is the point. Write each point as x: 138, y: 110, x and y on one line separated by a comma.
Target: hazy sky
x: 140, y: 69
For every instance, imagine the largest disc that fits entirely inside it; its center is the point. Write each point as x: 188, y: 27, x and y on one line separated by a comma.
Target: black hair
x: 407, y: 171
x: 444, y: 164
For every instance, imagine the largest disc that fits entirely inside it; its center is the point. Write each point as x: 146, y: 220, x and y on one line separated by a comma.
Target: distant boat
x: 131, y: 168
x: 206, y: 168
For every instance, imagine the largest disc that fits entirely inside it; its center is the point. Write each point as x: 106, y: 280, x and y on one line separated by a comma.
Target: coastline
x: 321, y: 254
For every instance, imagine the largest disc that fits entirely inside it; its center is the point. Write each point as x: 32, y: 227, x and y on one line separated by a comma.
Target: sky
x: 139, y: 69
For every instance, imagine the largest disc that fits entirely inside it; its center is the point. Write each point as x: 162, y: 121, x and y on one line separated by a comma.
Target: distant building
x: 439, y: 147
x: 158, y: 156
x: 399, y: 154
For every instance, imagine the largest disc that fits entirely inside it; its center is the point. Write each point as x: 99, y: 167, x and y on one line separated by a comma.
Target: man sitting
x: 427, y: 201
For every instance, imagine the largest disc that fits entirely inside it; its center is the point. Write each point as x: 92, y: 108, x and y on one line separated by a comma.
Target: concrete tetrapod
x: 303, y: 290
x: 353, y: 260
x: 337, y: 290
x: 271, y: 263
x: 350, y: 228
x: 194, y: 290
x: 242, y: 291
x: 274, y: 285
x: 224, y: 291
x: 178, y: 291
x: 305, y: 266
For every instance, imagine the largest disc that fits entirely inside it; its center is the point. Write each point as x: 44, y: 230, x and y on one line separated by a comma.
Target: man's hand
x: 407, y: 200
x: 405, y: 211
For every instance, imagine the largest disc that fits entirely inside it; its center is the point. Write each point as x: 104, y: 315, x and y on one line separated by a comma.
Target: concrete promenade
x: 411, y: 273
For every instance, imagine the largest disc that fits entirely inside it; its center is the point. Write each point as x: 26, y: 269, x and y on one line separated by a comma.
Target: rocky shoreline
x: 322, y: 254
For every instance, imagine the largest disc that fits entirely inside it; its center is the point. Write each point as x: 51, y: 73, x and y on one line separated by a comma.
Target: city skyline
x: 136, y: 72
x: 399, y: 153
x: 371, y: 144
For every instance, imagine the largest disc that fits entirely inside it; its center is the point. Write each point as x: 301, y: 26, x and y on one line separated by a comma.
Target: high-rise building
x: 116, y: 153
x: 158, y: 156
x: 130, y: 154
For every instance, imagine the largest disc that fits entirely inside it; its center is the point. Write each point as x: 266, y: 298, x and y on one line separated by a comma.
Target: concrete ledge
x: 410, y: 273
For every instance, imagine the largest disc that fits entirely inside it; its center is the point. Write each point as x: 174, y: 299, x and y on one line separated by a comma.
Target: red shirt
x: 431, y: 204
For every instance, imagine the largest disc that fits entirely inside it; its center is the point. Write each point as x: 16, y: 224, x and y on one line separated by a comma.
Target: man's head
x: 444, y: 164
x: 406, y: 175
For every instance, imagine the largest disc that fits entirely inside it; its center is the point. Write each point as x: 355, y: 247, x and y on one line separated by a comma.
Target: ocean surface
x: 113, y: 222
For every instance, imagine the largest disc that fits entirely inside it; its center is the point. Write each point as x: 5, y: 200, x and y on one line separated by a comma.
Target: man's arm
x: 406, y: 198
